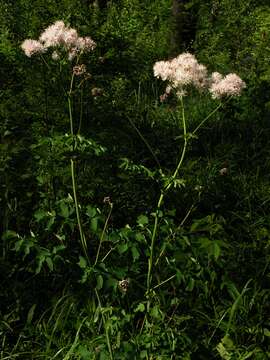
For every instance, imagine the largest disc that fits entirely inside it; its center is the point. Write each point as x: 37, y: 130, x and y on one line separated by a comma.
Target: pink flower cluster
x: 32, y: 47
x: 59, y: 35
x: 181, y: 71
x: 185, y: 70
x: 230, y: 85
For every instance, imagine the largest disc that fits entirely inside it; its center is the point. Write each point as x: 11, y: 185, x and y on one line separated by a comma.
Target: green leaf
x: 64, y: 210
x: 49, y: 263
x: 122, y: 248
x: 143, y: 354
x: 40, y: 214
x: 30, y: 314
x: 142, y: 220
x: 135, y: 253
x: 50, y: 223
x: 9, y: 234
x: 58, y: 248
x: 41, y: 260
x: 99, y: 282
x: 215, y: 250
x: 84, y: 353
x: 155, y: 312
x: 140, y: 237
x: 96, y: 315
x: 82, y: 262
x: 90, y: 211
x: 190, y: 285
x: 140, y: 308
x: 94, y: 224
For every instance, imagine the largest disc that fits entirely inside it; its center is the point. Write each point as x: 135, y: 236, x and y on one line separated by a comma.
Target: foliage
x: 206, y: 294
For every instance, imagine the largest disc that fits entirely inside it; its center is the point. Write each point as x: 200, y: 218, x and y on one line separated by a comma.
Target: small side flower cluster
x: 230, y: 85
x: 185, y: 70
x: 59, y: 35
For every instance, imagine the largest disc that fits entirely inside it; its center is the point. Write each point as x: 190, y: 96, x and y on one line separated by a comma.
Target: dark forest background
x: 214, y: 233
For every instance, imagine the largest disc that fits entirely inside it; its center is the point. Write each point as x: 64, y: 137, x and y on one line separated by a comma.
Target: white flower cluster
x: 59, y: 35
x: 230, y: 85
x: 185, y: 70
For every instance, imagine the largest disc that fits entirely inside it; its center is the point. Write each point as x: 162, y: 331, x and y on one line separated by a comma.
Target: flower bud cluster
x: 185, y: 70
x: 79, y: 69
x: 59, y: 35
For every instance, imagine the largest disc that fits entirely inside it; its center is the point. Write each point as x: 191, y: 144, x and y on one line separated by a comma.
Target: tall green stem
x: 73, y: 174
x: 74, y: 186
x: 105, y: 326
x: 159, y: 204
x: 103, y: 233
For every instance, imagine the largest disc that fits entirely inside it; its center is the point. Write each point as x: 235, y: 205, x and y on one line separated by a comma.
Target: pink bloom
x: 223, y: 171
x: 181, y: 93
x: 85, y: 44
x: 55, y: 55
x: 168, y: 89
x: 163, y: 97
x: 52, y: 36
x: 69, y: 37
x: 230, y: 85
x: 96, y: 92
x: 162, y: 69
x: 182, y: 71
x: 58, y: 34
x: 32, y: 47
x: 216, y: 77
x: 72, y: 53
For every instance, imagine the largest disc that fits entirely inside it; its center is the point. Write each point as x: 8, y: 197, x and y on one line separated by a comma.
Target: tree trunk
x: 183, y: 27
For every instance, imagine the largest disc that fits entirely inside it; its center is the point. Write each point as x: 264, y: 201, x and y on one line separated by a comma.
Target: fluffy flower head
x: 32, y: 47
x: 182, y: 71
x: 52, y: 36
x: 60, y: 35
x: 230, y: 85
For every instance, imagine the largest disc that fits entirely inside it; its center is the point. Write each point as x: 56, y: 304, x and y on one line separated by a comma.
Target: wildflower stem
x: 209, y: 115
x: 105, y: 326
x: 82, y: 236
x: 73, y: 174
x: 70, y: 105
x: 185, y: 145
x: 103, y: 233
x: 81, y: 112
x: 160, y: 201
x: 164, y: 282
x: 145, y: 141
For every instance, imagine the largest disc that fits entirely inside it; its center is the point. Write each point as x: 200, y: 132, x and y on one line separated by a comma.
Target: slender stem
x: 70, y: 115
x: 145, y: 141
x: 211, y: 114
x: 73, y: 175
x: 82, y: 236
x: 160, y: 201
x: 167, y: 187
x: 164, y: 282
x: 81, y: 111
x: 105, y: 327
x: 103, y: 233
x: 150, y: 261
x: 70, y: 105
x: 185, y: 145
